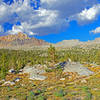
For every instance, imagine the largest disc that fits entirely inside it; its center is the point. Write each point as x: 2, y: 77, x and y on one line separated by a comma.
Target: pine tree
x: 3, y: 68
x: 97, y: 58
x: 52, y: 57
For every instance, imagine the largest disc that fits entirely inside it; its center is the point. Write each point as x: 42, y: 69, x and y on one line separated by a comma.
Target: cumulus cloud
x: 96, y: 31
x: 23, y: 12
x: 87, y: 15
x: 15, y: 29
x: 49, y: 18
x: 24, y: 28
x: 67, y: 8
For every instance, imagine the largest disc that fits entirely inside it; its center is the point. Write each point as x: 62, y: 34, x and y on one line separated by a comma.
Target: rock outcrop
x: 77, y: 67
x: 20, y: 39
x: 11, y: 37
x: 34, y: 72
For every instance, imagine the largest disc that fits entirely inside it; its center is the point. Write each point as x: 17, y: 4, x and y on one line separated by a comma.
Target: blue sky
x: 74, y: 31
x: 51, y: 20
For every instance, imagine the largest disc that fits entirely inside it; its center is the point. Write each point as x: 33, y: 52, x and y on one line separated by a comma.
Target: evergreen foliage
x: 18, y: 59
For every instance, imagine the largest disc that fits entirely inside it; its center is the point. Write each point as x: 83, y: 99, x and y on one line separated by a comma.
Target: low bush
x: 31, y: 95
x: 59, y: 93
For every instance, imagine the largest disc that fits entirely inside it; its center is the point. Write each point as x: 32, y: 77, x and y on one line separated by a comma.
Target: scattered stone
x: 7, y: 83
x: 21, y: 70
x: 70, y: 77
x: 76, y: 98
x: 69, y: 60
x: 17, y: 79
x: 37, y: 77
x: 95, y: 89
x: 62, y: 79
x: 3, y: 80
x: 61, y: 64
x: 12, y: 71
x: 83, y: 81
x: 13, y: 99
x: 22, y: 85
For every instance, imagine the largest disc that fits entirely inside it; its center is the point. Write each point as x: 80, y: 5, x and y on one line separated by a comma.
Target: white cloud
x: 95, y: 31
x: 49, y: 2
x: 87, y: 14
x: 27, y: 15
x: 24, y: 28
x: 49, y: 18
x: 67, y: 8
x: 16, y: 29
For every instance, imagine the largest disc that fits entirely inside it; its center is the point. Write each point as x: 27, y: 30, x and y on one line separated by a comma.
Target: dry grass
x: 72, y: 86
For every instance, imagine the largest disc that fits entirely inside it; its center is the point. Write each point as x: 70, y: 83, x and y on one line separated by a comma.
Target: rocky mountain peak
x: 13, y: 37
x: 20, y: 39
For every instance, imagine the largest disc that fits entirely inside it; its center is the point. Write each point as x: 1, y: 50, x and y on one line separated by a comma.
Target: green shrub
x: 85, y: 88
x: 88, y: 96
x: 41, y: 98
x: 60, y: 93
x: 52, y: 57
x: 7, y: 98
x: 58, y: 67
x: 48, y: 70
x: 2, y: 74
x: 31, y: 95
x: 8, y: 88
x: 38, y: 91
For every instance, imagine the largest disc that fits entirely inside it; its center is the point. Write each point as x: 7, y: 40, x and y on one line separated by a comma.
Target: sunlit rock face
x: 11, y: 37
x: 20, y: 39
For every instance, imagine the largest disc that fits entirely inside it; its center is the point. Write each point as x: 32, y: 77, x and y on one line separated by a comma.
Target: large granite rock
x: 77, y: 67
x: 37, y: 77
x: 34, y: 73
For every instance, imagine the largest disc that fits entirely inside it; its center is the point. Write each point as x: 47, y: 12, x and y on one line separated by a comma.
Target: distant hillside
x: 20, y: 39
x: 68, y: 43
x: 76, y: 43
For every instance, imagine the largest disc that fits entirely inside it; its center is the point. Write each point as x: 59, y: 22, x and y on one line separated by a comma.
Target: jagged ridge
x: 20, y: 39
